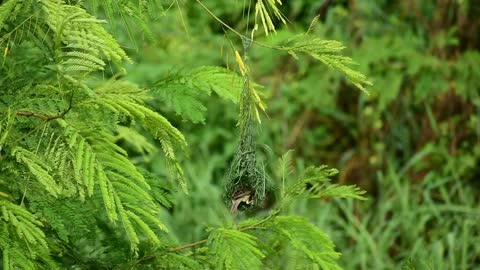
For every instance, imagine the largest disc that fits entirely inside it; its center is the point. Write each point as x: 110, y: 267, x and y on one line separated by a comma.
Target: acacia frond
x: 285, y: 167
x: 125, y: 98
x: 307, y: 239
x: 235, y: 250
x: 132, y: 12
x: 38, y: 168
x: 83, y: 39
x: 123, y: 188
x: 7, y: 9
x: 61, y: 159
x: 316, y: 183
x: 326, y: 51
x: 179, y: 261
x: 22, y: 241
x: 135, y: 139
x: 25, y: 223
x: 321, y: 187
x: 5, y: 128
x: 182, y: 91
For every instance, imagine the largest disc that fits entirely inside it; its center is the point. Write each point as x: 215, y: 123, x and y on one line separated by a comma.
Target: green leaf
x: 327, y: 52
x: 306, y: 238
x: 182, y: 91
x: 234, y: 250
x: 316, y: 183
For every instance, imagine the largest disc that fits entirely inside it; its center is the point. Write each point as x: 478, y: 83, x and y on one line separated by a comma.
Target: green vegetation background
x: 413, y: 144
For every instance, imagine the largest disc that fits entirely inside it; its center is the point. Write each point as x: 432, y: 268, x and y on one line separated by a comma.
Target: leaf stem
x: 45, y: 116
x: 233, y: 30
x: 175, y: 249
x: 249, y: 227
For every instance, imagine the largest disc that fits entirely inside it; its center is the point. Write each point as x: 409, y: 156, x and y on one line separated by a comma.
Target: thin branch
x: 201, y: 242
x: 219, y: 20
x: 45, y: 116
x: 233, y: 30
x: 175, y: 249
x: 37, y: 115
x: 249, y: 227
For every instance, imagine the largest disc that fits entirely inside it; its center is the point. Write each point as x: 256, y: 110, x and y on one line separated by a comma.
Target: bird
x: 239, y: 197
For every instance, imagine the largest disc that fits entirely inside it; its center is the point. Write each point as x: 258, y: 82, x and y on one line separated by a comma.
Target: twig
x: 45, y: 116
x: 235, y: 31
x: 249, y: 227
x: 194, y: 244
x: 175, y: 249
x: 41, y: 116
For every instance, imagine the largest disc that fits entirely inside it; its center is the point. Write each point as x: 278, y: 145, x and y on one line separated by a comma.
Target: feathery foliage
x: 308, y: 241
x: 235, y: 250
x: 316, y: 181
x: 326, y: 51
x: 22, y: 240
x: 58, y: 130
x: 182, y: 91
x: 72, y: 194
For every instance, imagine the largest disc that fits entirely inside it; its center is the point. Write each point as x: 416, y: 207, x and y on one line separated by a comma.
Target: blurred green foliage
x: 413, y: 143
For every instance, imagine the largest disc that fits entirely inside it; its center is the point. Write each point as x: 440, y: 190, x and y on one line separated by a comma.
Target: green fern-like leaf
x: 22, y: 241
x: 307, y: 239
x: 327, y: 52
x: 125, y: 98
x: 179, y: 261
x: 38, y: 168
x: 319, y: 178
x: 235, y: 250
x: 81, y: 40
x: 26, y: 224
x: 285, y: 168
x: 182, y: 91
x: 315, y: 183
x: 122, y: 187
x: 6, y: 10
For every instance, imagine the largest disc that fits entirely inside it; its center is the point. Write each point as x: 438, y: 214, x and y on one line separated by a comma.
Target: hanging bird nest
x: 245, y: 186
